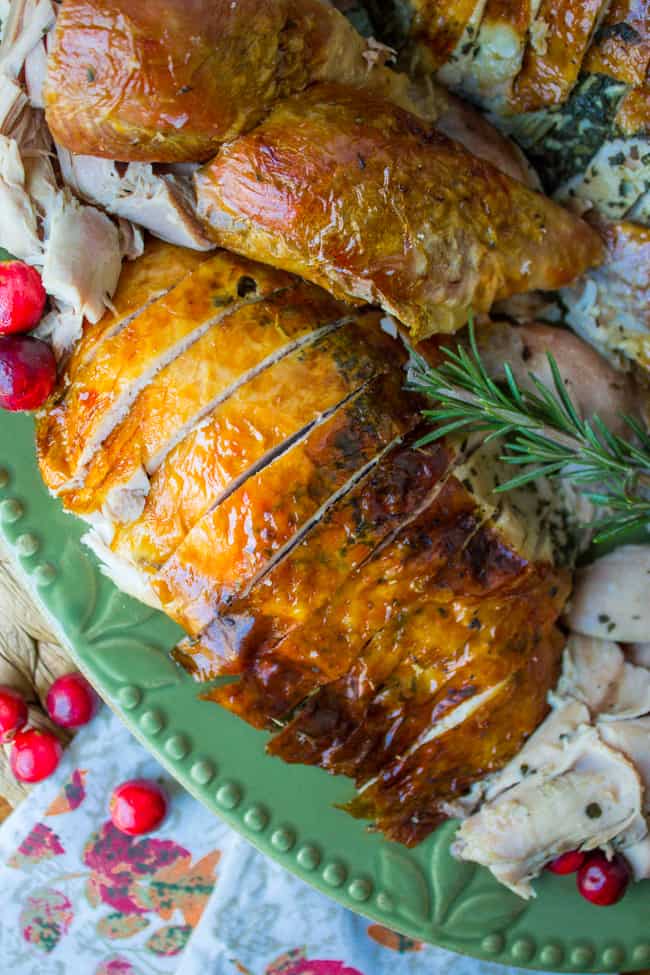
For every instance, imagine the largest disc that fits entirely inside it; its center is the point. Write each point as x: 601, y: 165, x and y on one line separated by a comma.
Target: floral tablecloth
x: 79, y: 898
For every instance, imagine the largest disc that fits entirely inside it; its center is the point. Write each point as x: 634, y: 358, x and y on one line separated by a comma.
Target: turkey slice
x: 632, y: 738
x: 18, y: 227
x: 610, y: 599
x: 305, y: 364
x: 162, y: 204
x: 499, y: 50
x: 82, y: 260
x: 453, y: 72
x: 297, y: 586
x: 227, y: 398
x: 591, y: 673
x: 103, y: 392
x: 595, y: 798
x: 559, y: 39
x: 266, y: 512
x: 545, y: 753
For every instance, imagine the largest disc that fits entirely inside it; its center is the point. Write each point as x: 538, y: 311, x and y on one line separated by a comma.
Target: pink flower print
x: 295, y: 963
x: 46, y: 918
x: 116, y: 966
x: 71, y: 796
x: 118, y: 862
x: 41, y: 844
x: 323, y: 968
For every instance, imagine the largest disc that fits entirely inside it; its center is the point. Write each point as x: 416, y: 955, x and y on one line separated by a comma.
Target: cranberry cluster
x: 136, y: 807
x: 599, y: 880
x: 27, y: 365
x: 35, y: 753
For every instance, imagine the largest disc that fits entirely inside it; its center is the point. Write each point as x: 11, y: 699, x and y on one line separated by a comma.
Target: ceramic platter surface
x: 289, y: 812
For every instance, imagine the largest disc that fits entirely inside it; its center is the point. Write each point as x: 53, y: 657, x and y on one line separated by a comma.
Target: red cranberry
x: 27, y: 372
x: 71, y: 702
x: 13, y: 712
x: 34, y: 755
x: 138, y: 806
x: 22, y: 297
x: 567, y: 863
x: 601, y: 881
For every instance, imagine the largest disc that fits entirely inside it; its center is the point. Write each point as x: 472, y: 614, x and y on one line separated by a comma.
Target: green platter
x: 288, y: 811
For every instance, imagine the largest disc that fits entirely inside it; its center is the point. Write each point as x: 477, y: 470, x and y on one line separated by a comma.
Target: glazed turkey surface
x: 247, y: 457
x: 328, y: 163
x: 357, y: 195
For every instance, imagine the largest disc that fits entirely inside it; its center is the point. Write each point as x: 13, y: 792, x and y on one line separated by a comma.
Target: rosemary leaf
x: 541, y: 430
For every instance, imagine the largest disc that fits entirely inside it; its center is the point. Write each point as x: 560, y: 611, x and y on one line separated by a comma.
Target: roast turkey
x: 332, y: 165
x: 246, y: 455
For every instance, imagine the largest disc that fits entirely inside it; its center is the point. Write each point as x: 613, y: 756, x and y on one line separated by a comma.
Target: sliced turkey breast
x: 320, y: 360
x: 246, y: 454
x: 390, y: 495
x: 621, y: 48
x: 465, y: 31
x: 411, y: 796
x: 596, y: 673
x: 499, y: 50
x: 546, y: 752
x: 195, y: 383
x: 263, y: 515
x: 560, y: 37
x: 105, y: 388
x: 610, y: 599
x: 591, y: 673
x: 632, y: 738
x: 143, y: 282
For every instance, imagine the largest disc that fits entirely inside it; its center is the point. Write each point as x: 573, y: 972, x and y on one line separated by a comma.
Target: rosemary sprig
x: 543, y: 432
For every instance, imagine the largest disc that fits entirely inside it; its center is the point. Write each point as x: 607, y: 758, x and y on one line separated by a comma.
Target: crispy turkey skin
x: 245, y: 452
x: 360, y: 197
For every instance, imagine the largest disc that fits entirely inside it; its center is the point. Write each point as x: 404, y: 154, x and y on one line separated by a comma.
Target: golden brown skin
x: 204, y: 373
x: 324, y: 556
x: 379, y: 615
x: 170, y: 80
x: 262, y: 516
x: 360, y: 197
x: 205, y: 296
x: 159, y: 269
x: 440, y: 24
x: 408, y: 801
x: 439, y: 617
x: 633, y: 116
x: 256, y: 419
x: 302, y: 583
x: 173, y: 80
x: 622, y: 46
x: 551, y: 69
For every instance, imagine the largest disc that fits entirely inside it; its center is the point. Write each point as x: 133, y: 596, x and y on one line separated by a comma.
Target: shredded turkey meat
x: 582, y: 780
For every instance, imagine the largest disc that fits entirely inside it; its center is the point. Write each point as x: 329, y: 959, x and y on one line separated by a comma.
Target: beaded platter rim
x: 288, y: 812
